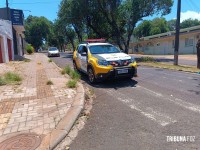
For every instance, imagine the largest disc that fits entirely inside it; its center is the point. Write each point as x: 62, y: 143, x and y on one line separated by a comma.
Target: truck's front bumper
x: 118, y: 73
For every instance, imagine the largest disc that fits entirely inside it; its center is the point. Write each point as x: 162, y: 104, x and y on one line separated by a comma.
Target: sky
x: 49, y: 8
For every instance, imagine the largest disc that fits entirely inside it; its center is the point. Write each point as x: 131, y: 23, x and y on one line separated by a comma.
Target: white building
x: 6, y: 41
x: 163, y: 44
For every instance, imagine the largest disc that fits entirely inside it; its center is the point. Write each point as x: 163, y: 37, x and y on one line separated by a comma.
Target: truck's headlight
x: 103, y: 63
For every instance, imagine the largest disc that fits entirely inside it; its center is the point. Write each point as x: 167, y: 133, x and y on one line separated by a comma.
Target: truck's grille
x: 120, y: 63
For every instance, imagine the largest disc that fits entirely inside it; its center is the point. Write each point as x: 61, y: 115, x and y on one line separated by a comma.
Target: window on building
x: 189, y: 42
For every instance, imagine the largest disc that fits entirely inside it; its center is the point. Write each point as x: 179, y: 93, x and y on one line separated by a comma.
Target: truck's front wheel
x: 91, y: 75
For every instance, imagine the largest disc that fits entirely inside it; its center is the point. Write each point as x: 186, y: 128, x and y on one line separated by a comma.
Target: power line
x: 195, y: 6
x: 190, y: 4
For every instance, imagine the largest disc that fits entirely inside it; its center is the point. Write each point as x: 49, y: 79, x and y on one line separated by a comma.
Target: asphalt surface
x: 144, y: 113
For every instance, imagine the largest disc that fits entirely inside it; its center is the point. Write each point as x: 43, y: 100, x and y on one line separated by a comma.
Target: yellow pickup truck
x: 101, y: 60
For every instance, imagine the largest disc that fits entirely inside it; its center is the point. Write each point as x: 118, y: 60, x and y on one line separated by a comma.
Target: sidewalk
x: 34, y: 112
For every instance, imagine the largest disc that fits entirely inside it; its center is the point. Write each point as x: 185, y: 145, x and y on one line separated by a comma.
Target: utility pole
x: 7, y: 9
x: 177, y: 33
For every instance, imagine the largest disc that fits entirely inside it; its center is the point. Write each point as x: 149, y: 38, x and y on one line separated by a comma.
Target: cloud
x: 189, y: 14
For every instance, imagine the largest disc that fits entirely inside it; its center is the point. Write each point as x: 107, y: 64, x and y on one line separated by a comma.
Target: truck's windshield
x: 103, y: 49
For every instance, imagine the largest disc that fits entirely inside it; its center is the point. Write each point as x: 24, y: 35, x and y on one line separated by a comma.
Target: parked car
x: 100, y: 60
x: 53, y: 51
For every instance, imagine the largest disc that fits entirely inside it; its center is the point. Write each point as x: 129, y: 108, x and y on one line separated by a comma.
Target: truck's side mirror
x: 121, y: 50
x: 84, y: 54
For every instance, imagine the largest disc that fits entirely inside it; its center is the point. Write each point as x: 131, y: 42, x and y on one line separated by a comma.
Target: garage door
x: 1, y: 58
x: 9, y: 49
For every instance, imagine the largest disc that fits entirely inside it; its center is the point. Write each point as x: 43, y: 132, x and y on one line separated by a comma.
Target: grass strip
x: 185, y: 68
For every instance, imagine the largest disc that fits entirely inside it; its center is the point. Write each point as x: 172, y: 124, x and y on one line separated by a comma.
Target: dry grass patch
x: 10, y: 78
x: 71, y: 83
x: 50, y: 60
x: 49, y: 82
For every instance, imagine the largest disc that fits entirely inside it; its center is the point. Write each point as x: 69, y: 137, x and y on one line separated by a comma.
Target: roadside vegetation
x: 71, y: 83
x: 151, y: 62
x: 26, y: 60
x: 50, y: 60
x: 29, y: 49
x: 49, y: 82
x: 73, y: 74
x: 146, y: 59
x: 10, y: 78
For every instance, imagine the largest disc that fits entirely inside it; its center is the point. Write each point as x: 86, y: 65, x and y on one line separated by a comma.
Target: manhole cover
x: 21, y: 142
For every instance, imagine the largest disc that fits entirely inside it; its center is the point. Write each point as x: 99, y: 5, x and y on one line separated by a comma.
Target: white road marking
x: 170, y: 79
x: 180, y: 102
x: 148, y: 112
x: 150, y: 91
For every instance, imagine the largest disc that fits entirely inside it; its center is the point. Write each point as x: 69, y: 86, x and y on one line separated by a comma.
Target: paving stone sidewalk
x: 34, y: 106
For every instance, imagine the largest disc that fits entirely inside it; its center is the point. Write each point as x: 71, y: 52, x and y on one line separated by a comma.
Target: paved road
x: 139, y: 114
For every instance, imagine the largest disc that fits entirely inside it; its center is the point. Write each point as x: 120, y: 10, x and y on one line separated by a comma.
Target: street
x: 141, y: 113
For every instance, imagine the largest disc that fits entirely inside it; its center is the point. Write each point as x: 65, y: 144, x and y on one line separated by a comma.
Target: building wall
x: 191, y: 49
x: 165, y: 46
x: 17, y: 30
x: 5, y: 34
x: 3, y: 12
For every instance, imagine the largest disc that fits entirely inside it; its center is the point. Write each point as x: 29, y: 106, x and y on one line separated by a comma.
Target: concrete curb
x: 51, y: 140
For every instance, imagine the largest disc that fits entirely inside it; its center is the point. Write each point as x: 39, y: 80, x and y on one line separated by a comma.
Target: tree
x: 114, y: 19
x: 65, y: 32
x: 37, y: 30
x: 171, y: 24
x: 147, y: 28
x: 122, y: 16
x: 158, y: 25
x: 70, y: 33
x: 190, y: 23
x: 155, y: 30
x: 57, y: 35
x: 143, y: 29
x: 72, y: 13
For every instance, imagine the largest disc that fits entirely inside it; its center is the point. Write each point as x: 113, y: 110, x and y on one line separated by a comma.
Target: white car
x: 53, y: 51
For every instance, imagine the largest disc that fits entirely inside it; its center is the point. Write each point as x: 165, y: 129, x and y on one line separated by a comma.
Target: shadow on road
x: 68, y: 56
x: 111, y: 83
x: 196, y: 92
x: 116, y: 83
